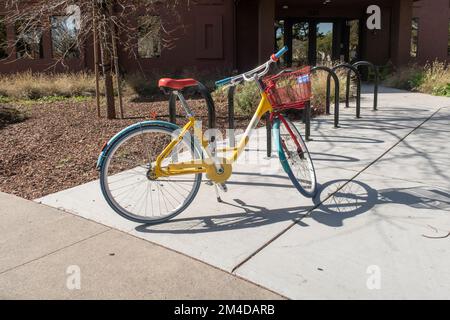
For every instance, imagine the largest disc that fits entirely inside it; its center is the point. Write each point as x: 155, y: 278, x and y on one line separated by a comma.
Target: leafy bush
x: 247, y: 98
x: 433, y: 78
x: 141, y: 85
x: 247, y: 95
x: 384, y: 72
x: 9, y: 115
x: 406, y: 78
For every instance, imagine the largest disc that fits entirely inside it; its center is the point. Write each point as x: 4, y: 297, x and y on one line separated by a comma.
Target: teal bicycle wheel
x: 295, y: 157
x: 127, y: 177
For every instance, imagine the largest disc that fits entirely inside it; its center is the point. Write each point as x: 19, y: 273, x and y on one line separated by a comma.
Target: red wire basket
x: 289, y: 89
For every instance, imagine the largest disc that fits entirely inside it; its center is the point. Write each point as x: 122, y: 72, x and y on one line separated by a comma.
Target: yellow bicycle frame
x: 201, y: 166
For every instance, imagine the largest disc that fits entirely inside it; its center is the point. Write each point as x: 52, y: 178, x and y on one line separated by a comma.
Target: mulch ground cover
x: 57, y: 146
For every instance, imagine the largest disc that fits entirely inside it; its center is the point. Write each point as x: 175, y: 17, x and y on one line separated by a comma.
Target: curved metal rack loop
x: 331, y: 74
x: 351, y: 69
x: 370, y: 65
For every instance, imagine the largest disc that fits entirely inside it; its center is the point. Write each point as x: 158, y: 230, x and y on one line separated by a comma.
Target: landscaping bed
x: 56, y: 147
x: 51, y: 136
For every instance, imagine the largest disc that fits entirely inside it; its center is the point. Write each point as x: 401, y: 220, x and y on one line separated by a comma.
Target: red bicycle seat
x: 177, y: 84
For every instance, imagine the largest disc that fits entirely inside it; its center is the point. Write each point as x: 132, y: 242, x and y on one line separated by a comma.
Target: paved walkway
x: 384, y: 192
x: 43, y: 249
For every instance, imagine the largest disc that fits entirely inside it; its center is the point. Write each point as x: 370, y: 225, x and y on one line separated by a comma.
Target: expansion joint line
x: 298, y: 220
x: 55, y: 251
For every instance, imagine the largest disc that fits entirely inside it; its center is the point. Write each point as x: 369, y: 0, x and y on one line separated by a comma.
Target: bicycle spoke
x: 130, y: 181
x: 297, y: 156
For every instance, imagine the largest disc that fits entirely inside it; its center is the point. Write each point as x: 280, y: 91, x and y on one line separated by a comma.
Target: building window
x: 3, y: 39
x: 29, y: 41
x: 414, y: 37
x: 65, y: 37
x: 149, y: 36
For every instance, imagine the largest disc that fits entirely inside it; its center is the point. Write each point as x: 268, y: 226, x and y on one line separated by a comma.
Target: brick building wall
x: 236, y: 34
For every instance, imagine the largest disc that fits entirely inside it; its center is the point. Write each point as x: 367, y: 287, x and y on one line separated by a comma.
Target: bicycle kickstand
x: 219, y: 199
x: 222, y: 187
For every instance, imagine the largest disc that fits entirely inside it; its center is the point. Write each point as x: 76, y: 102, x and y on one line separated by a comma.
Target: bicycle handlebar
x: 248, y: 76
x: 280, y: 53
x: 223, y: 81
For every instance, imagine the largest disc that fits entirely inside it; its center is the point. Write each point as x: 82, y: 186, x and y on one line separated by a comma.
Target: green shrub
x: 143, y: 84
x: 433, y: 78
x: 247, y: 98
x: 384, y: 72
x: 406, y: 78
x: 9, y: 115
x: 443, y: 90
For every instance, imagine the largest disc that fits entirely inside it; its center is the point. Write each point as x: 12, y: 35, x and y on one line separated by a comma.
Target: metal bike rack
x: 331, y: 74
x: 269, y: 135
x: 203, y: 90
x: 358, y: 88
x: 377, y: 79
x: 307, y: 120
x: 173, y: 108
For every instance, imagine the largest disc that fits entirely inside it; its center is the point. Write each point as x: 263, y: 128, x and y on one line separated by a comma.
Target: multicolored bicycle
x: 151, y: 172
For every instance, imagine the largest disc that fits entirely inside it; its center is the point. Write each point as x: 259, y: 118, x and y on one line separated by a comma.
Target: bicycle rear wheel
x: 128, y: 181
x: 295, y: 157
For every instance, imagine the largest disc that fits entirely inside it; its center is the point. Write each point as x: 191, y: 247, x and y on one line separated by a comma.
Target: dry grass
x: 319, y: 89
x: 433, y: 78
x: 38, y: 85
x: 436, y: 79
x: 34, y: 86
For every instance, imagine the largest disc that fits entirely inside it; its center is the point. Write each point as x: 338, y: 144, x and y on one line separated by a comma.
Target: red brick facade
x: 230, y: 34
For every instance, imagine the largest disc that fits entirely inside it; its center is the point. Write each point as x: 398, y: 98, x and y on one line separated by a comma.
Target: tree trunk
x: 116, y: 61
x: 109, y: 92
x: 106, y: 52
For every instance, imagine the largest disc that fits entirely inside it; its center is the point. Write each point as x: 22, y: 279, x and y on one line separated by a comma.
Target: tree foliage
x: 73, y: 23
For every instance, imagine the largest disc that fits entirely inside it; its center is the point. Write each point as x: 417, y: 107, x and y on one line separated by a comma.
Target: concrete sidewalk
x: 39, y: 245
x: 382, y: 211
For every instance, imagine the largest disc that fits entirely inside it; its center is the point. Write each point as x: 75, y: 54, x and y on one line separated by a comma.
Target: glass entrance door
x: 318, y: 42
x: 324, y: 43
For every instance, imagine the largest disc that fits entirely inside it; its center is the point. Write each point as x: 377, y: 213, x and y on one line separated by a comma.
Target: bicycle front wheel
x: 129, y: 184
x: 295, y: 157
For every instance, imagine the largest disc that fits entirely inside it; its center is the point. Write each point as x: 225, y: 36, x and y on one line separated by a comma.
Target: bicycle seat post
x: 184, y: 103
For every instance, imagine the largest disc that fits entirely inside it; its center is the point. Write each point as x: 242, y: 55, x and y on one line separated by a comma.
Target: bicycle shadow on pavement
x: 252, y: 217
x: 336, y: 202
x: 340, y: 200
